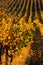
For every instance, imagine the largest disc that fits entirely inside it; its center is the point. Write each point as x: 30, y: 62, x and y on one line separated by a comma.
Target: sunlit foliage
x: 16, y: 36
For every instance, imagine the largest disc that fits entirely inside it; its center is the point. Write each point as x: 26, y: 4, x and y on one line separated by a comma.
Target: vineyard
x: 21, y: 32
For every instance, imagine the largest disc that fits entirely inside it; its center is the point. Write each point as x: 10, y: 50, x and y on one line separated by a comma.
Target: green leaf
x: 32, y: 31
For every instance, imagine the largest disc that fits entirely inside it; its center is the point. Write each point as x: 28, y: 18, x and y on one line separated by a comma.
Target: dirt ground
x: 18, y: 60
